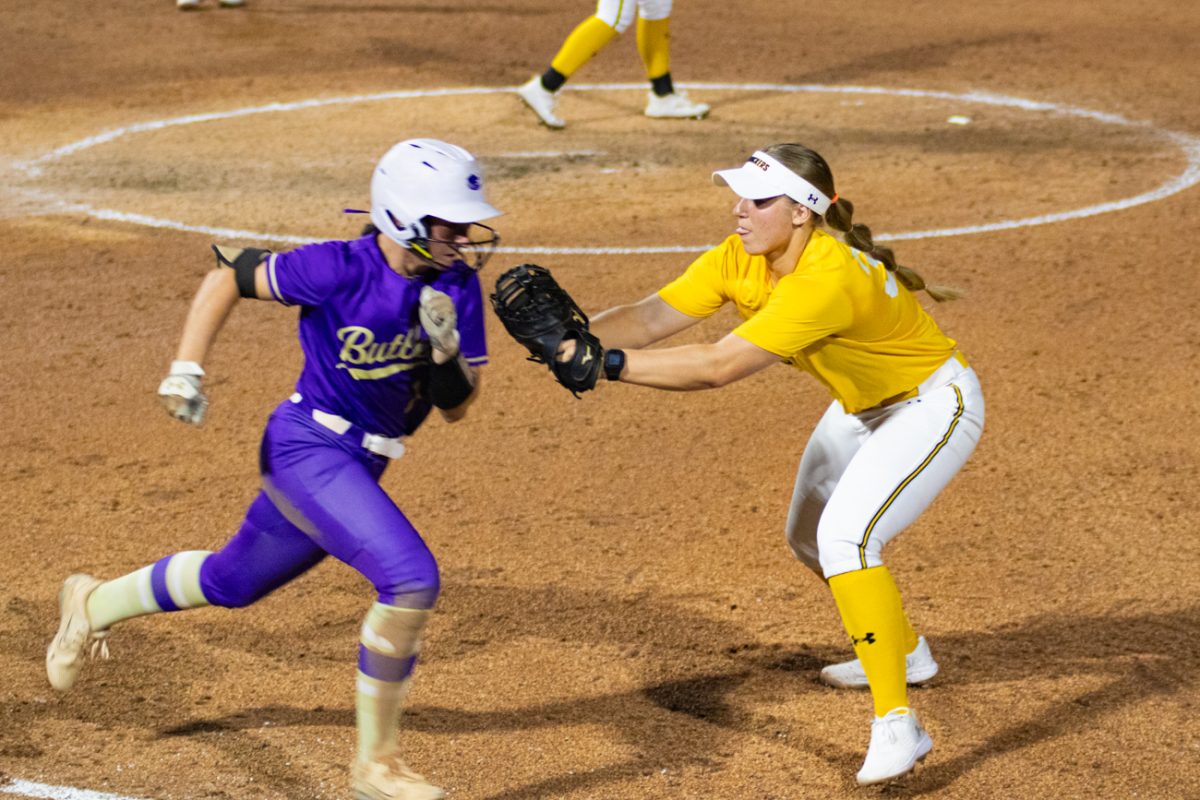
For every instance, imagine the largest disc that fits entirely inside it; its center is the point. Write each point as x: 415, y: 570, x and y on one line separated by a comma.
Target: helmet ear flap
x: 413, y: 234
x: 420, y: 238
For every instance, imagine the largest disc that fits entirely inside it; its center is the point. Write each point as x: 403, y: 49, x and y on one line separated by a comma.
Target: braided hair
x: 809, y: 165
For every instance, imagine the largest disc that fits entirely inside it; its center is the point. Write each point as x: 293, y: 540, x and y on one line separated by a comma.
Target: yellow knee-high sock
x: 654, y: 46
x: 588, y: 38
x: 910, y: 636
x: 871, y: 610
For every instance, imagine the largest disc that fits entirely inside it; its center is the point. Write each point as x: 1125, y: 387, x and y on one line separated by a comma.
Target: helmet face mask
x: 469, y: 245
x: 421, y: 182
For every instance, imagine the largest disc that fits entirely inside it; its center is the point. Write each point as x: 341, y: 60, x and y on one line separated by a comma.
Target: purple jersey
x: 366, y: 357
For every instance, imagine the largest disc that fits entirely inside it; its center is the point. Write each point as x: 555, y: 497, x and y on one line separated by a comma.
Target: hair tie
x: 833, y: 199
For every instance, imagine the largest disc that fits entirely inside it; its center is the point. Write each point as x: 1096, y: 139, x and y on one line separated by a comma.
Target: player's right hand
x: 440, y: 321
x: 181, y: 392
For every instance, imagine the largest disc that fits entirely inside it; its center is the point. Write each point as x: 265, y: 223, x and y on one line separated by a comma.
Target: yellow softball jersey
x: 840, y: 315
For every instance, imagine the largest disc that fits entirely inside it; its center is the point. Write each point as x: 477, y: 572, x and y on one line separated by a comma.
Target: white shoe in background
x: 919, y: 667
x: 676, y: 105
x: 541, y: 102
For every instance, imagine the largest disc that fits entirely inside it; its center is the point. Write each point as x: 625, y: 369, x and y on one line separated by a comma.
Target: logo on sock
x: 868, y: 639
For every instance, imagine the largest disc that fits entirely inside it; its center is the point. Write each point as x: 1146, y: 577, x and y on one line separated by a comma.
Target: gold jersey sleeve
x: 840, y: 316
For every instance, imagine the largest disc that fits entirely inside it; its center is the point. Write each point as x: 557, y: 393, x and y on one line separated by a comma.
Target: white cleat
x: 389, y: 778
x: 187, y: 5
x: 898, y: 742
x: 541, y: 102
x: 65, y: 655
x: 676, y: 105
x: 919, y: 667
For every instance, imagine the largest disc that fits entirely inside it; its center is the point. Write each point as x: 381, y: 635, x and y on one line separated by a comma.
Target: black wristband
x: 449, y: 385
x: 614, y: 364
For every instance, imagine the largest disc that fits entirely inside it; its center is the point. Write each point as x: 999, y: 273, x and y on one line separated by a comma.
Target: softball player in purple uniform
x: 907, y: 409
x: 613, y: 17
x: 391, y: 325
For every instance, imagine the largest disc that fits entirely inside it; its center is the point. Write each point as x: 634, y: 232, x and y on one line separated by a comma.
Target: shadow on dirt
x: 688, y: 722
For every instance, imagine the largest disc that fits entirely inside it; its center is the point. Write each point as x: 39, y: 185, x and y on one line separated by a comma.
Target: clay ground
x: 621, y: 617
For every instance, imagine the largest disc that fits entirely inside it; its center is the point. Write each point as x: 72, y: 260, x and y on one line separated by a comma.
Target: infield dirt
x: 621, y: 616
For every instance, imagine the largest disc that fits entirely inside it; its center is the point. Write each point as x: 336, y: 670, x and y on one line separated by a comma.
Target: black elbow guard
x: 243, y: 262
x: 449, y: 385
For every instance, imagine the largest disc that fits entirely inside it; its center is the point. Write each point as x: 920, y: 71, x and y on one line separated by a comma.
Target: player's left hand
x: 440, y: 321
x: 579, y: 361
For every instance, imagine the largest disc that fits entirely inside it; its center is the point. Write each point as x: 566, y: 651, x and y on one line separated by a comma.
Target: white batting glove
x: 181, y: 393
x: 440, y: 321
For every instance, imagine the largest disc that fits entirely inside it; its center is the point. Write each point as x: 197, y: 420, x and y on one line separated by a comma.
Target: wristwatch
x: 614, y: 363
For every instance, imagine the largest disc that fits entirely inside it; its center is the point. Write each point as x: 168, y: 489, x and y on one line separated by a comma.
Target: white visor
x: 762, y: 177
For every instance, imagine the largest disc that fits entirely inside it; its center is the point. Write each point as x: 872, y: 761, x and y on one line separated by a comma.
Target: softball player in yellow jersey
x: 907, y: 409
x: 589, y: 37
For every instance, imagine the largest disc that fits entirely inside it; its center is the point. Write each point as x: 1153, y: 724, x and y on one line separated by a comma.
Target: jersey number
x: 867, y: 263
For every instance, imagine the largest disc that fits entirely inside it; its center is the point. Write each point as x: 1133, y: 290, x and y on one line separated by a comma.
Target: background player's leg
x: 589, y: 37
x: 654, y: 46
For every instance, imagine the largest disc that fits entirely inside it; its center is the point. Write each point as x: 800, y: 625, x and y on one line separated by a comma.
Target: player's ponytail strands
x: 859, y: 236
x: 812, y: 167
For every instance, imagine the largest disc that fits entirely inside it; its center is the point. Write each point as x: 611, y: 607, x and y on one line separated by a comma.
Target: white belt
x: 380, y: 445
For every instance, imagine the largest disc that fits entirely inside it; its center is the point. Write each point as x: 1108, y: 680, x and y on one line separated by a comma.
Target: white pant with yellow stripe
x: 620, y: 13
x: 866, y: 477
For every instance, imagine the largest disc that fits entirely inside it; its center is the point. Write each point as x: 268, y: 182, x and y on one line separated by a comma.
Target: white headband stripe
x: 792, y: 184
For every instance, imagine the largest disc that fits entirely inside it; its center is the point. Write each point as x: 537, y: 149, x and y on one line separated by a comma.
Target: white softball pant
x: 620, y: 14
x: 866, y: 477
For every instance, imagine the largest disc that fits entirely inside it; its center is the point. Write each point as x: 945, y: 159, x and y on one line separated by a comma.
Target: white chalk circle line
x: 1187, y: 143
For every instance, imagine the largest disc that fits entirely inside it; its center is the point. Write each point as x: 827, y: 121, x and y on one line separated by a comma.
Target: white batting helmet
x: 421, y: 178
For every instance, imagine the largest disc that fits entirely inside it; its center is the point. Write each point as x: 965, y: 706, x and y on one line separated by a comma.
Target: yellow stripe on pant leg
x: 873, y: 614
x: 958, y: 412
x: 588, y: 38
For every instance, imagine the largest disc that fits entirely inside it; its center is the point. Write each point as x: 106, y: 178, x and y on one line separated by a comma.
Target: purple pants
x: 321, y: 497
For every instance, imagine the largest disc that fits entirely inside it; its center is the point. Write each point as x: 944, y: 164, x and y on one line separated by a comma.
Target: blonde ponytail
x: 809, y: 165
